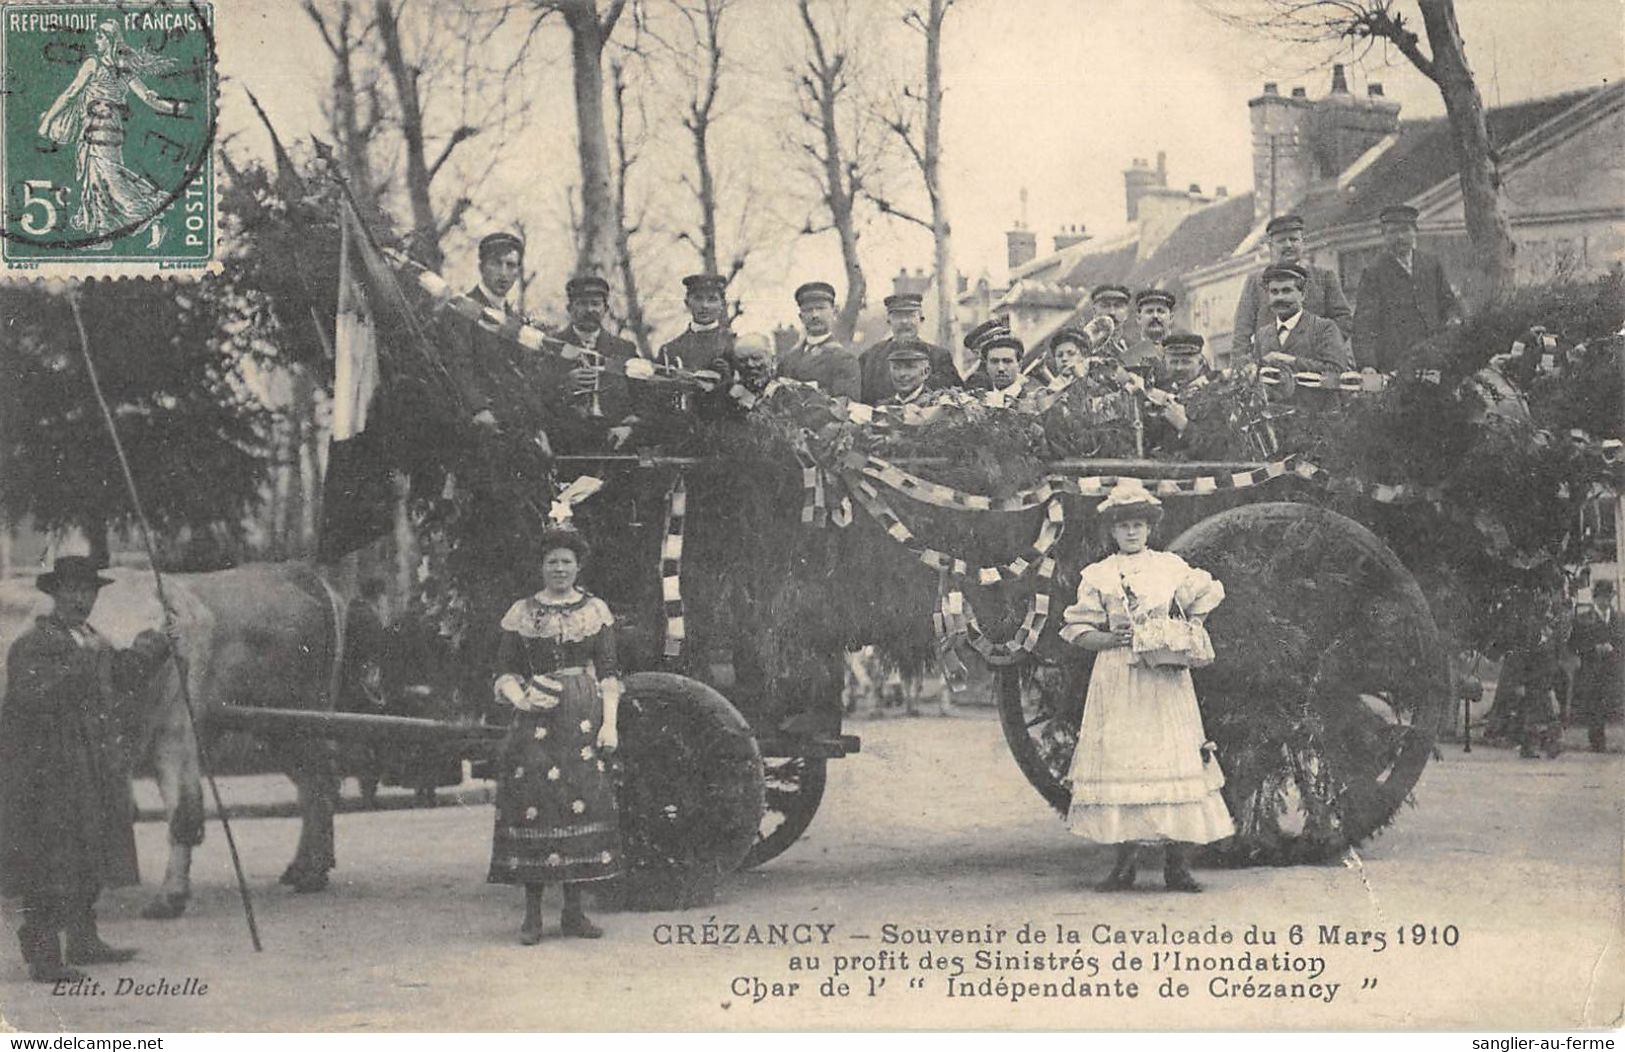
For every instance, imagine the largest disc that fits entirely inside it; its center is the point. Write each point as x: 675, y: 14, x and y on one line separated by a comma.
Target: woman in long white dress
x: 1143, y: 772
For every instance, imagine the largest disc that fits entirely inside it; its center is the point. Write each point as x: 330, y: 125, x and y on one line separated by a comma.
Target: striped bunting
x: 1037, y: 556
x: 671, y: 568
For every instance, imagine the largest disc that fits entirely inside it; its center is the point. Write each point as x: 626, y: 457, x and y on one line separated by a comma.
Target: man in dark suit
x: 1322, y: 291
x: 1113, y: 301
x: 482, y: 365
x: 1404, y: 297
x: 598, y: 397
x: 1154, y: 311
x: 818, y: 358
x: 904, y: 316
x: 1294, y: 338
x: 705, y: 343
x: 1598, y: 639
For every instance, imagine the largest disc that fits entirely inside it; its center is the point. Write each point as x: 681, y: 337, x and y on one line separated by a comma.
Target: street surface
x: 930, y: 828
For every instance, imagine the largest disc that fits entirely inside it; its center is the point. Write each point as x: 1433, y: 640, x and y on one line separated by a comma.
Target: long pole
x: 169, y: 619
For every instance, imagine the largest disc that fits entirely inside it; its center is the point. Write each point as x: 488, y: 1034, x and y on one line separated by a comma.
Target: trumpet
x: 593, y: 408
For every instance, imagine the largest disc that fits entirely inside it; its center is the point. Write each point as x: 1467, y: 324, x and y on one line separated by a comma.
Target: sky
x: 1054, y: 97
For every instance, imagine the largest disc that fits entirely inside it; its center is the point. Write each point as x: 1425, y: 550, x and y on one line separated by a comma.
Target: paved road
x: 931, y: 827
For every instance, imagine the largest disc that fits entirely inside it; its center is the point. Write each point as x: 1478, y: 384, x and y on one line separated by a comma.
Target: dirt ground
x: 930, y: 829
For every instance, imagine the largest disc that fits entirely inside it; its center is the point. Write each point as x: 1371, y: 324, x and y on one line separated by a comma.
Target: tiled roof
x: 1206, y: 236
x: 1422, y: 157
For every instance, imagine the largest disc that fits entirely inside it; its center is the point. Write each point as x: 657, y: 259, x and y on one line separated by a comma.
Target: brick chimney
x: 1162, y: 209
x: 903, y: 281
x: 1344, y: 126
x: 1140, y: 177
x: 1068, y: 236
x: 1282, y: 168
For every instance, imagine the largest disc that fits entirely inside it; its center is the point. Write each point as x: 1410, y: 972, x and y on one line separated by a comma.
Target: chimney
x: 961, y: 284
x: 1068, y: 236
x: 1281, y: 164
x: 1162, y: 209
x: 905, y: 282
x: 1300, y: 93
x: 1344, y: 126
x: 1021, y: 247
x: 1138, y: 178
x: 1221, y: 191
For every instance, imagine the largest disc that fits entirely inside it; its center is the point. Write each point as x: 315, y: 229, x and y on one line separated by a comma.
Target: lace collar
x: 569, y: 622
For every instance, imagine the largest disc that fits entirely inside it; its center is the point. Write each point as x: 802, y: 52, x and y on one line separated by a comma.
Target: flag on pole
x: 358, y: 493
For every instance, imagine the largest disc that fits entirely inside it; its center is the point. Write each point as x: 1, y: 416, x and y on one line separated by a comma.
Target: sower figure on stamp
x: 65, y: 803
x: 90, y: 115
x: 1143, y: 771
x: 556, y: 819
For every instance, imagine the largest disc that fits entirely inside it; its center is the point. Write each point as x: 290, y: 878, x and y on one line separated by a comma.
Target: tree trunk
x: 426, y: 230
x: 1489, y: 228
x: 708, y: 194
x: 838, y: 195
x: 635, y: 321
x: 947, y: 284
x: 599, y: 220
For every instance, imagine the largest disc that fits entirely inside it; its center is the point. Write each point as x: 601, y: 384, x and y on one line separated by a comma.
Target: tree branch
x: 462, y: 134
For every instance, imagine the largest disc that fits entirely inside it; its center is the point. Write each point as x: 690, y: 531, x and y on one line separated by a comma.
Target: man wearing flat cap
x: 1404, y: 297
x: 818, y: 358
x: 905, y: 314
x: 1154, y: 311
x: 910, y: 375
x: 1322, y: 292
x: 1295, y: 338
x: 1114, y: 302
x: 598, y: 397
x: 707, y: 336
x: 66, y: 811
x: 1167, y: 410
x: 485, y: 368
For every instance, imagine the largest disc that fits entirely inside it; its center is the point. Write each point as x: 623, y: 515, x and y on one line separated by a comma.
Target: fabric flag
x: 358, y: 494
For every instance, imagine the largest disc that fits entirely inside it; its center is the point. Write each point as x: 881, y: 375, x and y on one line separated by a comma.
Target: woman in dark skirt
x: 556, y: 819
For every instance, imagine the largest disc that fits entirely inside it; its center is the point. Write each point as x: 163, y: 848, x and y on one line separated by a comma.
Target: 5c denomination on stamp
x: 108, y: 118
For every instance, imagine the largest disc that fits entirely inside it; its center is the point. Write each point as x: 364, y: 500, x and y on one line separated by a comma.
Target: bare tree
x: 1364, y: 24
x: 915, y: 118
x: 835, y: 142
x: 626, y: 156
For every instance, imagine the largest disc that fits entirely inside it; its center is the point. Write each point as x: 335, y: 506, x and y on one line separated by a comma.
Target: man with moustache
x: 1001, y: 354
x: 1167, y: 412
x: 904, y: 316
x: 1404, y: 296
x: 598, y: 397
x: 818, y: 358
x: 911, y: 376
x: 1154, y: 310
x: 1295, y: 338
x: 1322, y: 293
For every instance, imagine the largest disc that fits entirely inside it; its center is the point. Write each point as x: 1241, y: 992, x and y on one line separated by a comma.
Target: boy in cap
x: 905, y: 314
x: 1294, y: 337
x: 481, y: 364
x: 1322, y: 290
x: 1404, y: 296
x: 818, y: 358
x: 65, y: 804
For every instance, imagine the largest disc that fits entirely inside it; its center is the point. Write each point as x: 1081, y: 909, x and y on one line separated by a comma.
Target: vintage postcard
x: 812, y: 515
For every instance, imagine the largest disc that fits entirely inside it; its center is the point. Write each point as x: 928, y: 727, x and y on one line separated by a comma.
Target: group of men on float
x: 1291, y: 315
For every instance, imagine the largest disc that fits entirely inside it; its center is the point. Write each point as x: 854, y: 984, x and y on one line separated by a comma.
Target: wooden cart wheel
x: 795, y: 785
x: 1330, y: 683
x: 691, y: 790
x: 1040, y: 707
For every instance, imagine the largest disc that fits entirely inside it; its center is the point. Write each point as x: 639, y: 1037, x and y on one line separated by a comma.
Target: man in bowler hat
x: 66, y: 811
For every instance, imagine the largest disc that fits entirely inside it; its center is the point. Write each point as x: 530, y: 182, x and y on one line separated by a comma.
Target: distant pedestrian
x: 1599, y: 641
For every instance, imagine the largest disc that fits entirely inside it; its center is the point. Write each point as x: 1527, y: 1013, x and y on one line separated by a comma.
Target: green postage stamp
x: 107, y: 156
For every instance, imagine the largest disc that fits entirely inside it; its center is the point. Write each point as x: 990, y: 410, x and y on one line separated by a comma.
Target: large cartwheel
x: 1329, y: 686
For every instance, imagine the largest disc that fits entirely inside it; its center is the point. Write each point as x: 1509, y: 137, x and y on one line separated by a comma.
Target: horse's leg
x: 314, y: 770
x: 175, y: 758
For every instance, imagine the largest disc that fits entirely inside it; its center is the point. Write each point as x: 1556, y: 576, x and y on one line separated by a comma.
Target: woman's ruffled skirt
x: 1140, y: 772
